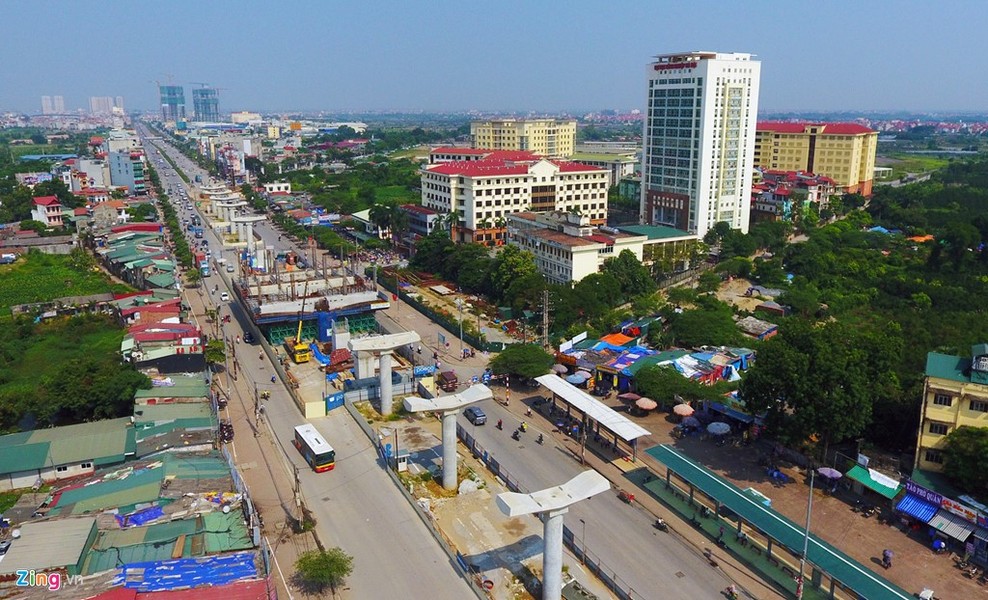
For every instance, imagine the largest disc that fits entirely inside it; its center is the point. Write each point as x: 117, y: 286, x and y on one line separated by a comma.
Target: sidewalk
x: 257, y: 459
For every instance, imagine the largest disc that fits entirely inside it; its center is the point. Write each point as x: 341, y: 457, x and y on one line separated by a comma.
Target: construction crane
x: 298, y: 351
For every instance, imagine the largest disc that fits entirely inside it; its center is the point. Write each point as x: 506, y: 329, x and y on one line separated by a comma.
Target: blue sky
x: 503, y: 55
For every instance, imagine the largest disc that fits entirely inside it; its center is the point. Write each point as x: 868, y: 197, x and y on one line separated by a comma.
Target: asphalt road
x: 356, y: 506
x: 653, y: 563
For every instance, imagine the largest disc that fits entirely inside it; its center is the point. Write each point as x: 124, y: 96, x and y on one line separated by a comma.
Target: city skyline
x: 446, y: 57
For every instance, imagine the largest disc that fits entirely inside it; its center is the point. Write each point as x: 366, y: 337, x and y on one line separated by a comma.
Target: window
x: 61, y: 469
x: 934, y: 456
x: 979, y: 405
x: 938, y: 428
x: 86, y: 465
x: 942, y: 400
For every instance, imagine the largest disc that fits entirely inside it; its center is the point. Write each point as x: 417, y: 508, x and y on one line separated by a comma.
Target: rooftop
x: 655, y: 232
x: 825, y: 128
x: 103, y: 442
x: 46, y: 545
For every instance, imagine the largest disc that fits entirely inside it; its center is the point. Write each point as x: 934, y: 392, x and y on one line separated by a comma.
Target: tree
x: 510, y: 264
x: 708, y: 282
x: 664, y: 383
x: 966, y: 459
x: 318, y: 569
x: 215, y: 351
x: 820, y: 381
x: 525, y: 360
x: 710, y: 323
x: 193, y: 276
x: 630, y: 273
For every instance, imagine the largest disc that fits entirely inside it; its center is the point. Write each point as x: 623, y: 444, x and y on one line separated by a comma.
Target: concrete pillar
x: 449, y: 449
x: 385, y: 383
x: 552, y: 554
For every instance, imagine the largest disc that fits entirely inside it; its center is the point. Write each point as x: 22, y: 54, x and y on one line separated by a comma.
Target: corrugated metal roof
x: 875, y: 481
x: 916, y: 507
x: 950, y: 524
x: 595, y: 409
x: 46, y: 545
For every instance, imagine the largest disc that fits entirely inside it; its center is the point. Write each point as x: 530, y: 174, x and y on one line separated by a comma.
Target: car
x: 475, y: 415
x: 248, y: 337
x: 225, y: 297
x: 4, y: 546
x: 230, y: 269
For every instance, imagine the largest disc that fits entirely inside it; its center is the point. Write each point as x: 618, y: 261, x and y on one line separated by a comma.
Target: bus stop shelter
x: 595, y: 411
x: 823, y: 558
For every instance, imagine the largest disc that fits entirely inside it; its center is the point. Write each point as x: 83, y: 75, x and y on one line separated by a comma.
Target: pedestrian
x: 720, y: 536
x: 273, y: 379
x: 887, y: 558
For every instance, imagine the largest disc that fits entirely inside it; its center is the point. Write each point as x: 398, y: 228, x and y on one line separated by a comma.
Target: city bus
x: 319, y: 454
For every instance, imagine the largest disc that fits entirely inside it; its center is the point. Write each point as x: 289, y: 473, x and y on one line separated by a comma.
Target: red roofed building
x: 780, y: 195
x: 489, y: 185
x: 47, y: 210
x: 845, y: 152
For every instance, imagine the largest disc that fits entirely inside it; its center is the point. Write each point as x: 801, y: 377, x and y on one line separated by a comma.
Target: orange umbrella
x: 646, y: 403
x: 683, y: 410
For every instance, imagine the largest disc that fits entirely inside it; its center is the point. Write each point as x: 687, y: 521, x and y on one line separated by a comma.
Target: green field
x: 17, y: 151
x: 52, y: 345
x: 903, y: 163
x: 413, y: 153
x: 399, y: 193
x: 39, y: 277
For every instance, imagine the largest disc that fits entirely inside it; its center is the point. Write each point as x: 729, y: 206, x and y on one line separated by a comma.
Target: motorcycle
x: 499, y: 425
x: 660, y: 525
x: 516, y: 435
x: 539, y: 440
x: 523, y: 427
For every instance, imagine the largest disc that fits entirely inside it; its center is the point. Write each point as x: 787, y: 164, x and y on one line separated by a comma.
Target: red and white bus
x: 316, y: 451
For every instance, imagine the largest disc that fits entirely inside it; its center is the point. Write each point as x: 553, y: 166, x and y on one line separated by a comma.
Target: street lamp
x: 459, y: 304
x: 583, y: 543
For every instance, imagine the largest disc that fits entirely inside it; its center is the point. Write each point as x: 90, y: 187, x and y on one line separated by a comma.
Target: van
x: 447, y: 381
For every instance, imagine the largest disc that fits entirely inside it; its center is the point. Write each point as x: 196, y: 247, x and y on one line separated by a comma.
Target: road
x: 356, y: 506
x: 655, y: 564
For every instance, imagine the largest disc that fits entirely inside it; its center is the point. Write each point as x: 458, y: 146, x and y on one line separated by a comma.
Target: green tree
x: 215, y: 351
x: 818, y: 381
x: 966, y: 459
x: 630, y: 273
x: 708, y: 282
x: 710, y: 323
x: 319, y: 569
x: 31, y: 225
x: 525, y: 360
x: 664, y: 383
x: 510, y: 264
x: 431, y: 251
x: 193, y: 276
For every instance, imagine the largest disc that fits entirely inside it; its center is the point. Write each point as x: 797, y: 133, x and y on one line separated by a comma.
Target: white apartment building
x: 699, y: 140
x: 482, y: 193
x: 567, y: 247
x: 548, y: 137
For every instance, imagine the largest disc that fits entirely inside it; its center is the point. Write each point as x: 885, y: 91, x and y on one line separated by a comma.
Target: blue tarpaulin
x: 187, y: 572
x: 916, y: 507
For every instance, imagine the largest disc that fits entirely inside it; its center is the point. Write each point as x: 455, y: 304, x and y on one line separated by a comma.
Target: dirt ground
x: 732, y: 291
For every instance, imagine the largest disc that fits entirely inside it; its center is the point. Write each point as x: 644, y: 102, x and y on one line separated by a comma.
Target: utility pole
x: 546, y: 307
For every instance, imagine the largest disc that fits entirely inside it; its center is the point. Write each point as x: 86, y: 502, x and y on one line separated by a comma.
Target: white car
x: 224, y: 297
x: 230, y: 269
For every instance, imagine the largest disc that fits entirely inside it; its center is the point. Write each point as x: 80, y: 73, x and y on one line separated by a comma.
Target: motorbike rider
x: 540, y: 439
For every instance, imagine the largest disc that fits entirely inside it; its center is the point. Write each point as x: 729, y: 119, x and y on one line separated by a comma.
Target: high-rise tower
x: 172, y: 102
x: 206, y: 104
x: 699, y: 140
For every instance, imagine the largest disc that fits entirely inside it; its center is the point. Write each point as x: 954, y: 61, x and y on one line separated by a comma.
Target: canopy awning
x: 981, y: 533
x: 732, y: 413
x: 615, y: 422
x: 875, y: 481
x: 916, y: 507
x: 951, y: 525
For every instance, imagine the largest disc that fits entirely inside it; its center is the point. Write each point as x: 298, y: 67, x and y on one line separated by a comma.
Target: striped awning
x: 916, y: 507
x: 951, y: 525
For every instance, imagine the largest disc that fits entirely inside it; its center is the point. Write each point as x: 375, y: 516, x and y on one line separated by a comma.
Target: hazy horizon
x: 448, y: 57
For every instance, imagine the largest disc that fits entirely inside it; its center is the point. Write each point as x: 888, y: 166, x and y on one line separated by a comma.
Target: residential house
x: 47, y: 210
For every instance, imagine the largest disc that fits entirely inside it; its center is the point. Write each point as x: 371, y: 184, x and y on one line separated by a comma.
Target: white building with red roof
x: 845, y: 152
x: 482, y: 192
x: 773, y: 197
x: 47, y: 210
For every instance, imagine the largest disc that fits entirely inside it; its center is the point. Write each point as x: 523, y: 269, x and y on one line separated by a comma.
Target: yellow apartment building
x: 844, y: 152
x: 553, y: 138
x: 955, y: 394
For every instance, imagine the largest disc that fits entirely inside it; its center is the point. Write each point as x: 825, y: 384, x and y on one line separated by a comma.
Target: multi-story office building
x: 100, y: 105
x: 206, y: 105
x: 620, y: 164
x: 58, y: 105
x: 127, y: 169
x: 482, y: 193
x: 47, y: 108
x: 555, y: 138
x: 699, y: 140
x: 845, y: 152
x: 172, y: 103
x: 567, y: 247
x: 955, y: 394
x: 421, y: 220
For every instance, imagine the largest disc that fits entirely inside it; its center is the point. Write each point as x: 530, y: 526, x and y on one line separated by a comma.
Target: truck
x: 298, y: 350
x: 447, y: 381
x: 203, y: 263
